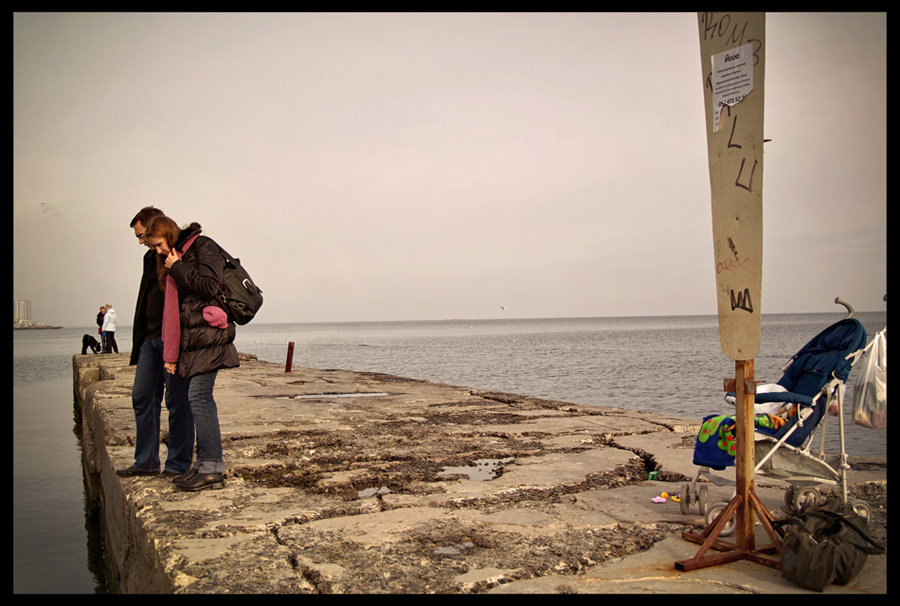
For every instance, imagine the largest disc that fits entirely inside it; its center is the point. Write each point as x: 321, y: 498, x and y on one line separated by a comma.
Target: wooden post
x: 290, y: 357
x: 745, y: 387
x: 745, y: 505
x: 732, y: 57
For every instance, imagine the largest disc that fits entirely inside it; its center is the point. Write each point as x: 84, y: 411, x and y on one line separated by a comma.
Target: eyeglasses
x: 140, y: 237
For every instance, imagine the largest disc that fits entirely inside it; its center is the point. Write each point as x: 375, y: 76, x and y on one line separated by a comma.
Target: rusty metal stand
x: 745, y: 504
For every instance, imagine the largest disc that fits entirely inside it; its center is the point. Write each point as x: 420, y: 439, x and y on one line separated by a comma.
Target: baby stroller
x: 787, y: 415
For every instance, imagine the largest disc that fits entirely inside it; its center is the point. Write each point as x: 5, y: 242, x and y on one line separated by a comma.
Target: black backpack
x: 239, y: 295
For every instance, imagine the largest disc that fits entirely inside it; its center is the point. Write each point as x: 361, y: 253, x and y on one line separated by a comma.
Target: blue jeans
x: 206, y: 423
x: 150, y: 378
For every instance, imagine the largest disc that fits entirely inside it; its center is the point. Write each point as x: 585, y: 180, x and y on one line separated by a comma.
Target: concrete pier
x: 359, y: 482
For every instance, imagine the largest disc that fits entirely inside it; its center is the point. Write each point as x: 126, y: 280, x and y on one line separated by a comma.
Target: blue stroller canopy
x: 809, y: 370
x: 824, y: 355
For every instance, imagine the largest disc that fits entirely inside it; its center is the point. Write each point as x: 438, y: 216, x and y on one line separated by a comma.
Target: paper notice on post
x: 732, y: 78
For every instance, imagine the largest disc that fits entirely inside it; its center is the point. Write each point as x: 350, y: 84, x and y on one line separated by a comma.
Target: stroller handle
x: 849, y: 307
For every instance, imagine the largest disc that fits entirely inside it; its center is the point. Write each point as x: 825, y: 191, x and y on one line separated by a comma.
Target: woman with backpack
x: 198, y: 337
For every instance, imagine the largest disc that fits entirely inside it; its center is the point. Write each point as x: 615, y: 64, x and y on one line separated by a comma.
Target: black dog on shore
x: 89, y: 341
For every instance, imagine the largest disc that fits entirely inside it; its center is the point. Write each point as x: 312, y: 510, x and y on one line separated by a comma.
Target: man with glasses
x: 150, y: 378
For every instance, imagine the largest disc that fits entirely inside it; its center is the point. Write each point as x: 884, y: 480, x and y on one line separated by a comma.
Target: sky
x: 404, y: 166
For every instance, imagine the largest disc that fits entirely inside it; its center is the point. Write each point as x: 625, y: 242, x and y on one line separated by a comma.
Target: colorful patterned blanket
x: 715, y: 446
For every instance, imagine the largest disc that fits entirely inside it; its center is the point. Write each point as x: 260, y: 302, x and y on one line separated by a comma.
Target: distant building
x: 22, y: 316
x: 21, y: 311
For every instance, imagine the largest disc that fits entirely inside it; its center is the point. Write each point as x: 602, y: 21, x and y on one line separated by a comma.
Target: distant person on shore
x: 150, y: 377
x: 198, y: 337
x: 100, y: 315
x: 109, y: 330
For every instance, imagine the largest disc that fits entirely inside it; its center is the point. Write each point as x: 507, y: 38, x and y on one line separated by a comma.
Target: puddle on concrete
x: 481, y: 470
x: 371, y: 492
x: 455, y: 549
x: 329, y: 396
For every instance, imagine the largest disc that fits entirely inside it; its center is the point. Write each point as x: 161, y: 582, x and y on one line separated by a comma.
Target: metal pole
x: 290, y: 357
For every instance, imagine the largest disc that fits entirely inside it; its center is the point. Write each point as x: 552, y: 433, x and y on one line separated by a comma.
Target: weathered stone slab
x: 346, y: 482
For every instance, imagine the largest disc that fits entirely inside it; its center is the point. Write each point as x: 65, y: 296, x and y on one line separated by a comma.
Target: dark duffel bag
x: 822, y: 546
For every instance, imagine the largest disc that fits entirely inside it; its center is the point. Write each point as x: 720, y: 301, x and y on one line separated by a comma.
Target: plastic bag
x: 870, y: 394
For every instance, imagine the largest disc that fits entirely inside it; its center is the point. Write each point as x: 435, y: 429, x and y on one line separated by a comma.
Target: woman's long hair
x: 165, y: 228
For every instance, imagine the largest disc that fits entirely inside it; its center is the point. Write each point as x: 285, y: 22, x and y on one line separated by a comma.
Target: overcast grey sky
x: 426, y: 166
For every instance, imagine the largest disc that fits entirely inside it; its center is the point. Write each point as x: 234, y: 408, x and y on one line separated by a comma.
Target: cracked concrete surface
x: 369, y: 483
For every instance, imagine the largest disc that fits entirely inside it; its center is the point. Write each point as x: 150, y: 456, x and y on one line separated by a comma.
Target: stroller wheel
x: 703, y: 499
x: 685, y: 499
x: 789, y: 498
x: 730, y: 525
x: 806, y: 497
x: 862, y: 509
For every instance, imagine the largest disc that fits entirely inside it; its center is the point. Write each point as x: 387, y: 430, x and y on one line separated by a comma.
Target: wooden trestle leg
x: 746, y: 504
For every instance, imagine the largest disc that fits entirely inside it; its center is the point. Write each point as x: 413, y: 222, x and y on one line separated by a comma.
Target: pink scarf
x: 171, y: 322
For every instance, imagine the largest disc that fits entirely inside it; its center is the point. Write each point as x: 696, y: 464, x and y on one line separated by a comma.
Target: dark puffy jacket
x: 204, y: 348
x: 139, y: 325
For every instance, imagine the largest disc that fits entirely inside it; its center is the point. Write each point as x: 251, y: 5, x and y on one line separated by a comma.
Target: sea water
x: 664, y: 365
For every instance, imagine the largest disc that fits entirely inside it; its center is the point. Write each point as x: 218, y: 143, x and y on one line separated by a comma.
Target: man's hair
x: 145, y: 215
